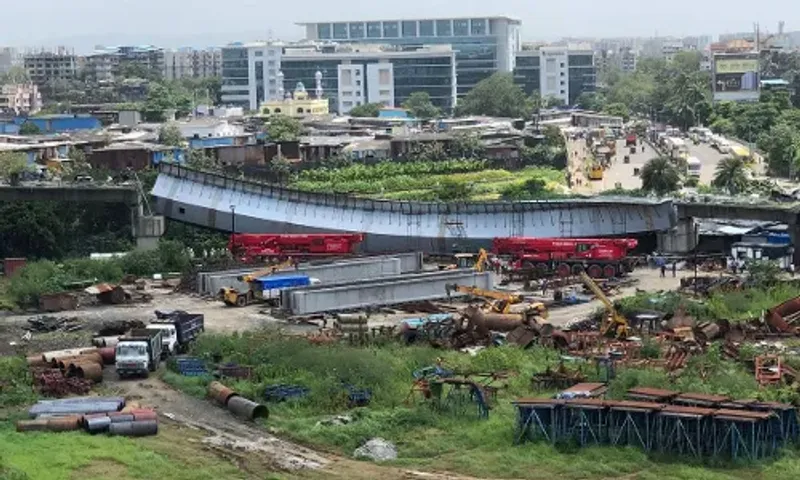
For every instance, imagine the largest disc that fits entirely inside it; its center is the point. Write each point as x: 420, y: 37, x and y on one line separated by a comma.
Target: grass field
x: 435, y: 440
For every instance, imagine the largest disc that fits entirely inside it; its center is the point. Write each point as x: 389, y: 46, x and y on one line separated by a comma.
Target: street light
x: 233, y: 218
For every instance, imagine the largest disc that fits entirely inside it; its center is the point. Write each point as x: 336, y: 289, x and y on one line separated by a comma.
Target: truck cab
x: 169, y: 338
x: 132, y: 358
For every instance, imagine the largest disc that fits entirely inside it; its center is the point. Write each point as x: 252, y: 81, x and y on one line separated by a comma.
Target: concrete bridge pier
x: 794, y: 236
x: 681, y: 239
x: 147, y: 229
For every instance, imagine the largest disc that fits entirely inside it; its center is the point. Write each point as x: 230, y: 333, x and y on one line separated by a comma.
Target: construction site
x: 539, y: 357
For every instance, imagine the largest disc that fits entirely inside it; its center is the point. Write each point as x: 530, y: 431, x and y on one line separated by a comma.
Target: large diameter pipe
x: 134, y: 429
x: 74, y: 352
x: 108, y: 354
x: 220, y: 393
x: 90, y: 371
x: 244, y: 408
x: 97, y: 424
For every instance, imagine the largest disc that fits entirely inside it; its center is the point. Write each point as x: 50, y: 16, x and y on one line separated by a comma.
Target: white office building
x: 566, y: 71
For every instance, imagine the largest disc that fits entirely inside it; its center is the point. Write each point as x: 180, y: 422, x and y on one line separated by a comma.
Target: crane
x: 232, y: 297
x: 502, y: 301
x: 616, y: 325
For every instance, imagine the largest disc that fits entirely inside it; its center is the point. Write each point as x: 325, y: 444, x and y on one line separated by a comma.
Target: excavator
x: 233, y: 297
x: 501, y: 301
x: 615, y: 326
x: 468, y: 260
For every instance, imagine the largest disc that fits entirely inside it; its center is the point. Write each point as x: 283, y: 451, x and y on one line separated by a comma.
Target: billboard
x: 736, y: 77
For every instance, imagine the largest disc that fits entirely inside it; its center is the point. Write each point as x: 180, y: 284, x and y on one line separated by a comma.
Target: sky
x: 199, y: 23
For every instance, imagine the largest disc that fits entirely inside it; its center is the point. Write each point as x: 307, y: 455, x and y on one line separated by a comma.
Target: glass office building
x: 483, y: 45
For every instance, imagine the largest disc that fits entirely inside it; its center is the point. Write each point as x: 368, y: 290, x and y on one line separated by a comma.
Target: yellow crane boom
x: 616, y: 325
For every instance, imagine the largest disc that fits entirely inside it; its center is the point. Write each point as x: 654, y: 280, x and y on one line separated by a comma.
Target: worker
x: 642, y: 148
x: 674, y: 269
x: 544, y: 287
x: 663, y: 270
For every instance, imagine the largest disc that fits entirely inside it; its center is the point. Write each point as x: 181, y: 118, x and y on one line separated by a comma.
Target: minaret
x: 281, y: 90
x: 318, y: 89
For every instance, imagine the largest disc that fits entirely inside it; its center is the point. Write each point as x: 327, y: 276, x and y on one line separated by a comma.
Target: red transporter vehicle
x: 260, y: 246
x: 630, y: 140
x: 599, y: 257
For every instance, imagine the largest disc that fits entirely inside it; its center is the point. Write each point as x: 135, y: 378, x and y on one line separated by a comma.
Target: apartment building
x: 47, y: 65
x: 109, y: 63
x: 192, y: 63
x: 483, y: 45
x: 20, y: 99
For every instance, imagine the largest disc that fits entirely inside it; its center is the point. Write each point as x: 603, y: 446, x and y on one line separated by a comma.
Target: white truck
x: 138, y: 352
x: 178, y: 330
x: 694, y: 165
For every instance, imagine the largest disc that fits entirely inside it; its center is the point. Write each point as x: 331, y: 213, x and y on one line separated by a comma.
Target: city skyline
x: 181, y: 23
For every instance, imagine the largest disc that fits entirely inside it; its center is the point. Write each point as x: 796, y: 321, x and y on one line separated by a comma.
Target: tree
x: 420, y: 106
x: 12, y: 165
x: 170, y: 134
x: 450, y: 190
x: 660, y: 176
x: 723, y: 126
x: 29, y: 128
x: 15, y: 74
x: 200, y: 160
x: 552, y: 101
x: 366, y: 110
x: 280, y: 168
x: 496, y: 96
x: 467, y: 145
x: 618, y: 110
x: 779, y: 146
x: 591, y: 101
x: 731, y: 175
x: 283, y: 128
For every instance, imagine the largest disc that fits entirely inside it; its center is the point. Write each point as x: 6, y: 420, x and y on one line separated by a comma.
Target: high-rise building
x: 44, y: 66
x: 483, y: 45
x: 192, y: 63
x: 562, y: 72
x: 109, y: 63
x: 350, y: 75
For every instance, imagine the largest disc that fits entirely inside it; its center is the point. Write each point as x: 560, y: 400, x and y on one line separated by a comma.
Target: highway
x: 622, y: 174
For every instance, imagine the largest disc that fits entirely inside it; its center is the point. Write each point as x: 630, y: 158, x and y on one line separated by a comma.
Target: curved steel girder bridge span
x: 217, y: 201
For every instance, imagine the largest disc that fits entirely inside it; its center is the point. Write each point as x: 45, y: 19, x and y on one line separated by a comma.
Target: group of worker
x: 664, y: 269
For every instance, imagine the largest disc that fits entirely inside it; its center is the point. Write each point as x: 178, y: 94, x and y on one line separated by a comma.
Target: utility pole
x: 233, y: 218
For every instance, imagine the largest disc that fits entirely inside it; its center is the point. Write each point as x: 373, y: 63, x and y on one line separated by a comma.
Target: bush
x: 16, y: 383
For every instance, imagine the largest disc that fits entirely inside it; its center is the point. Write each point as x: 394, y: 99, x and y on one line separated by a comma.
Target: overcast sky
x: 172, y: 23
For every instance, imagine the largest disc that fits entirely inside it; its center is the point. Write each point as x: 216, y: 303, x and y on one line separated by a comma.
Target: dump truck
x: 630, y: 140
x: 139, y: 352
x: 179, y: 329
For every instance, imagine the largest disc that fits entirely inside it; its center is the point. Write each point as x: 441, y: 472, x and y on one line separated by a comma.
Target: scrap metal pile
x: 93, y: 414
x: 64, y: 372
x: 697, y: 425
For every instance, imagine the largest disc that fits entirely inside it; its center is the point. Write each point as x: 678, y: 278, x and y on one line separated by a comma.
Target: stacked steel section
x: 689, y: 424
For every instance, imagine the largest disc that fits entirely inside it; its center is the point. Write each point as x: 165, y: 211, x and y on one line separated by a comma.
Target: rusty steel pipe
x: 90, y: 371
x: 244, y: 408
x: 37, y: 425
x: 108, y: 354
x: 64, y: 424
x: 36, y: 361
x: 50, y: 357
x: 220, y: 393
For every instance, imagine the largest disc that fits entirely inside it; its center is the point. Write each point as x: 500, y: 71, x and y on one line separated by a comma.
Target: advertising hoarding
x: 736, y: 77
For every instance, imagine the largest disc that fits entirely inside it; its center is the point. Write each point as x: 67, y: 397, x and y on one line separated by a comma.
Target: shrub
x: 16, y: 383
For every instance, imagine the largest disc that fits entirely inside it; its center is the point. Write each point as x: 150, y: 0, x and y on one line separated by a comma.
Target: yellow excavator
x: 501, y: 301
x: 615, y: 326
x: 234, y: 298
x: 468, y: 260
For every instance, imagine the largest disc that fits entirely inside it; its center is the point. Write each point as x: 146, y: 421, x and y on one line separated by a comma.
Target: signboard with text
x: 736, y: 77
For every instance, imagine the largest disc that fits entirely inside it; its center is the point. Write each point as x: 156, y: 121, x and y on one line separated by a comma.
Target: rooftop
x: 488, y: 17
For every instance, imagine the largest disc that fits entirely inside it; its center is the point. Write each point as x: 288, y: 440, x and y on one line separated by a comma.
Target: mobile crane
x: 233, y: 297
x: 615, y: 326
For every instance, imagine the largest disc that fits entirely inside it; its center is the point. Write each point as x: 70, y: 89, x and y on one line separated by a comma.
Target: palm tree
x: 660, y: 175
x: 731, y: 175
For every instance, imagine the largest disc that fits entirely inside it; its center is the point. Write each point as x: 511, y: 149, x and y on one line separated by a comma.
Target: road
x: 622, y: 174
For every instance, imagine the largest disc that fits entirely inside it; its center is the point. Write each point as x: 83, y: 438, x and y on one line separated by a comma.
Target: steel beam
x: 383, y: 291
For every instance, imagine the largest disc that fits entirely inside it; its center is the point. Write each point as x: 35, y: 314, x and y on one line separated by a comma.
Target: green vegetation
x: 282, y: 128
x: 12, y: 165
x: 731, y: 175
x: 170, y: 134
x: 15, y: 382
x: 440, y: 440
x: 366, y: 110
x: 498, y: 96
x: 172, y: 454
x: 660, y: 176
x: 419, y: 105
x: 29, y: 128
x: 423, y: 180
x: 44, y: 276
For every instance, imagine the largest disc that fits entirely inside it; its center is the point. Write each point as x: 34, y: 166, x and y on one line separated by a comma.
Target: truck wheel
x: 241, y: 301
x: 577, y: 269
x: 563, y: 270
x: 541, y: 269
x: 595, y: 271
x: 609, y: 271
